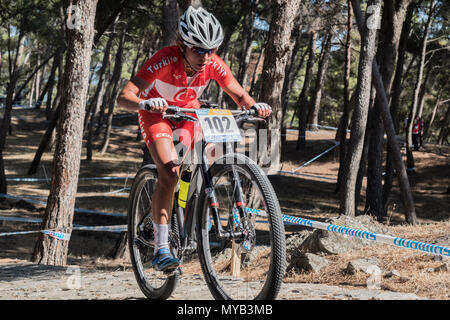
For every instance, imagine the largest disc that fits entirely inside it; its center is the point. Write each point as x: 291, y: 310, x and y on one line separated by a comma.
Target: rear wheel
x: 252, y: 267
x: 154, y: 284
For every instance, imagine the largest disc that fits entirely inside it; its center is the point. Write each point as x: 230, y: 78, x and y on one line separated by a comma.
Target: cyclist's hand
x: 154, y: 104
x: 263, y: 109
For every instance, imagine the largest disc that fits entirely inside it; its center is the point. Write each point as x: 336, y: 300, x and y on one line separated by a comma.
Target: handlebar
x: 248, y: 112
x: 179, y: 114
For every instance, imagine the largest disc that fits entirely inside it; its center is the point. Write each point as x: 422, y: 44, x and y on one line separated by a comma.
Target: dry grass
x: 413, y: 266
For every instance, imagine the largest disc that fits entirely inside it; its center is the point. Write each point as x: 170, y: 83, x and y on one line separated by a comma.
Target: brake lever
x: 248, y: 118
x: 179, y: 116
x: 171, y: 116
x: 251, y: 118
x: 189, y: 117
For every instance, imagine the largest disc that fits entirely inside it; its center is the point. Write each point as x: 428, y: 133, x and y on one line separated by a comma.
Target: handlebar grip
x: 252, y: 111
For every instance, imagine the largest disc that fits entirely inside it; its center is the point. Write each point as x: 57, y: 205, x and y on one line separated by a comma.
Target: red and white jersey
x: 164, y: 71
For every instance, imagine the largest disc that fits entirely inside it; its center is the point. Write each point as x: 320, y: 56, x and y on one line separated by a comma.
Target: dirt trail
x: 22, y: 280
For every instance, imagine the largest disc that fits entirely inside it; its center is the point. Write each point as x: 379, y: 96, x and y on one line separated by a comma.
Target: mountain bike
x: 231, y: 218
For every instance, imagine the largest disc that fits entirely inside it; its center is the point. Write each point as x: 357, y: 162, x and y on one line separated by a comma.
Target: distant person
x: 420, y: 132
x: 415, y: 133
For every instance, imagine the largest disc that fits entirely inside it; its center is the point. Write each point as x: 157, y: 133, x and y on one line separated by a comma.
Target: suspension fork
x: 237, y: 188
x: 214, y: 204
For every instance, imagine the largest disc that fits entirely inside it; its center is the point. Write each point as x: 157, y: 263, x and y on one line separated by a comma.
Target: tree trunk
x: 247, y: 34
x: 374, y: 193
x: 48, y: 89
x: 136, y: 60
x: 117, y: 10
x: 423, y: 91
x: 120, y: 250
x: 302, y: 104
x: 359, y: 119
x: 101, y: 113
x: 409, y: 67
x: 362, y: 171
x: 30, y: 94
x: 313, y: 116
x: 115, y: 81
x: 395, y: 99
x: 184, y: 4
x: 343, y: 124
x: 398, y: 79
x: 44, y: 141
x: 53, y: 105
x: 97, y: 100
x: 392, y: 22
x: 278, y: 47
x: 170, y: 22
x: 418, y: 84
x: 407, y: 199
x: 54, y: 102
x: 30, y: 77
x: 433, y: 114
x: 443, y: 134
x: 15, y: 70
x: 38, y: 78
x: 292, y: 71
x: 253, y: 88
x: 60, y: 205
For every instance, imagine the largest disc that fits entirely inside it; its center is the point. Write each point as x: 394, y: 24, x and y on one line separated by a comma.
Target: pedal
x: 177, y: 271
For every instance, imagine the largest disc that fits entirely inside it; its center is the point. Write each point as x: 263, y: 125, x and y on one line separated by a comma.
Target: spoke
x: 252, y: 266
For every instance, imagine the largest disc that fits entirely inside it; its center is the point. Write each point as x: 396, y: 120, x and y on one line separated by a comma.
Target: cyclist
x: 177, y: 75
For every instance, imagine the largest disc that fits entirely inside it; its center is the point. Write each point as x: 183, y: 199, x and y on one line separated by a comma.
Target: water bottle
x: 185, y: 180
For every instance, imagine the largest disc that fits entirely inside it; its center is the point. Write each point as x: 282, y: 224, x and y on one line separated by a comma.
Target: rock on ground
x: 366, y: 265
x: 334, y: 243
x: 308, y: 262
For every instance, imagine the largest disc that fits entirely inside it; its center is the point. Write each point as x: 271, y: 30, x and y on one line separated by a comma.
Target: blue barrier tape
x: 80, y: 179
x: 16, y: 233
x: 118, y: 116
x: 362, y: 234
x: 115, y: 228
x: 20, y: 219
x: 57, y: 235
x: 303, y: 174
x: 317, y: 157
x: 112, y: 214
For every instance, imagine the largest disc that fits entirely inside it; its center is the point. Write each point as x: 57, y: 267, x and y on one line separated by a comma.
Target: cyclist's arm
x: 239, y: 95
x: 129, y: 96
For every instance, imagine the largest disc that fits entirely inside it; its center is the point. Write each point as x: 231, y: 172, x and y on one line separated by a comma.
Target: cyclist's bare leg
x: 164, y: 155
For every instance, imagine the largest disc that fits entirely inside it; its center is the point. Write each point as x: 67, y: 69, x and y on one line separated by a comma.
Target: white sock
x: 161, y: 232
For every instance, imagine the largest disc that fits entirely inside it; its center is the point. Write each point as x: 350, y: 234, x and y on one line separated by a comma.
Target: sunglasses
x: 202, y: 51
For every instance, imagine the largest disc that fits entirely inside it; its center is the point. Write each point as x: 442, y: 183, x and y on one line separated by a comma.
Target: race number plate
x: 218, y: 125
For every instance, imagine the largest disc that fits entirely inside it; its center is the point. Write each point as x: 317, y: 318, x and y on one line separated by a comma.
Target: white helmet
x: 200, y: 28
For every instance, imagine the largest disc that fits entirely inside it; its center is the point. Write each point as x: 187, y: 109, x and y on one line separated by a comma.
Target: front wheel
x: 154, y: 284
x: 242, y: 268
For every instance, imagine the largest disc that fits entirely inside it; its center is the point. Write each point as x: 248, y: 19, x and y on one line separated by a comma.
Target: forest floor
x: 309, y: 195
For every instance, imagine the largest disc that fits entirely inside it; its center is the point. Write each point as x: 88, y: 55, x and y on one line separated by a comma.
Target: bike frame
x: 201, y: 181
